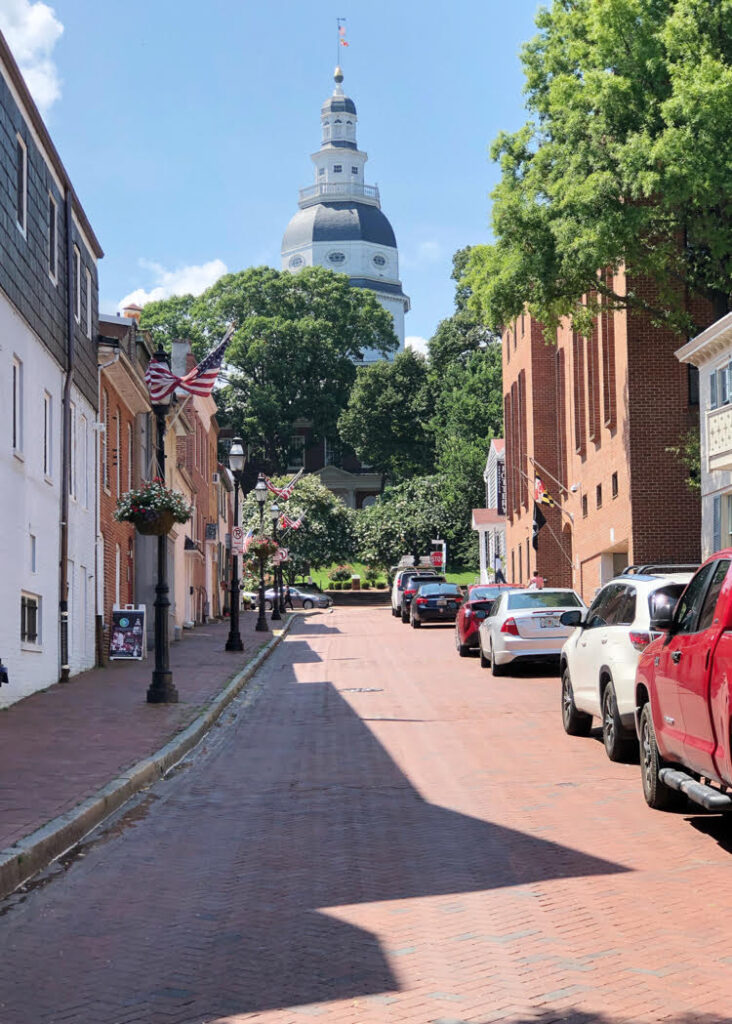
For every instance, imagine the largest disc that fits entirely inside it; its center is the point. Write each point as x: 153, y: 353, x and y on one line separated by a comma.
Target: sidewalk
x: 61, y: 746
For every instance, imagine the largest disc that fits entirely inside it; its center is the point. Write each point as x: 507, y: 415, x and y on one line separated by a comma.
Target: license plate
x: 441, y: 602
x: 548, y: 623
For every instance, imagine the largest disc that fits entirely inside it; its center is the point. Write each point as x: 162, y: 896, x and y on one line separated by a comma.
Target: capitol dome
x: 338, y: 222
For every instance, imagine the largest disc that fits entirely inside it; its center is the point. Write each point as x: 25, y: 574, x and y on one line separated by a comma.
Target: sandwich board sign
x: 127, y: 640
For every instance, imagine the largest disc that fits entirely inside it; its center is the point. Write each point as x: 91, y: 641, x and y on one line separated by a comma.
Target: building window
x: 379, y: 260
x: 30, y: 619
x: 129, y: 456
x: 84, y: 460
x: 593, y: 386
x: 88, y: 316
x: 614, y: 485
x: 598, y: 495
x: 296, y: 261
x: 513, y: 566
x: 354, y: 170
x: 521, y: 564
x: 33, y: 560
x: 336, y: 257
x: 47, y: 435
x: 103, y: 435
x: 52, y: 238
x: 72, y: 450
x: 21, y: 195
x: 337, y: 168
x: 693, y: 381
x: 321, y: 172
x: 77, y: 285
x: 296, y: 456
x: 117, y: 572
x: 584, y: 506
x: 607, y: 325
x: 17, y: 405
x: 117, y: 452
x: 578, y: 368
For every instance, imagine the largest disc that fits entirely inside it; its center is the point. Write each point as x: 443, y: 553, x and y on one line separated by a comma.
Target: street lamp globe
x: 260, y: 490
x: 274, y: 512
x: 237, y: 458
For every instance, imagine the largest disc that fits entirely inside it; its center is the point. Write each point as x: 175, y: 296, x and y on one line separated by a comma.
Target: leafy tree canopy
x: 402, y: 521
x: 625, y: 162
x: 387, y: 420
x: 294, y: 351
x: 328, y: 531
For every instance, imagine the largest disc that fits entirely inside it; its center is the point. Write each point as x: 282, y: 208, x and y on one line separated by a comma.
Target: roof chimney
x: 132, y: 312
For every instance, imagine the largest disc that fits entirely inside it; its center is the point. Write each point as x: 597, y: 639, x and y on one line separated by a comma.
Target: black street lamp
x: 161, y: 690
x: 274, y: 513
x: 237, y: 461
x: 260, y: 493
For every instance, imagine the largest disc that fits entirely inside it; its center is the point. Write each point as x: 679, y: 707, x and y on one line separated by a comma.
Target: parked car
x: 523, y: 625
x: 683, y: 695
x: 471, y: 614
x: 599, y: 660
x: 400, y: 580
x: 301, y: 598
x: 435, y: 602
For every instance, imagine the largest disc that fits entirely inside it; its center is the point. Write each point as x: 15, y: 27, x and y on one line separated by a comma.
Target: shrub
x: 381, y: 585
x: 337, y: 585
x: 347, y: 585
x: 341, y: 574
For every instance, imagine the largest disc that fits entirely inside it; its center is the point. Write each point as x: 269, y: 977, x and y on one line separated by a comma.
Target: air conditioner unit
x: 215, y: 478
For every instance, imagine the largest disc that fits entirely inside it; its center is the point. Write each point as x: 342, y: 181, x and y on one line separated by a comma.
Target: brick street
x: 381, y: 832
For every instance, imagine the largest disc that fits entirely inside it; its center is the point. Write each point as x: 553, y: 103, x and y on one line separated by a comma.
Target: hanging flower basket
x: 153, y: 509
x: 263, y: 547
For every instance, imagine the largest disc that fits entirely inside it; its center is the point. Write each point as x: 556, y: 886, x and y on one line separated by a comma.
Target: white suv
x: 397, y: 590
x: 599, y: 659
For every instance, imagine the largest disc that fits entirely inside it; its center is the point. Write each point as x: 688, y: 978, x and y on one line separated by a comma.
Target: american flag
x: 247, y: 541
x: 290, y: 524
x: 161, y: 381
x: 284, y: 493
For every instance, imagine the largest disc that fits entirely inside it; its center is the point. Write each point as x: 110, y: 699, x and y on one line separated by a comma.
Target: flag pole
x: 556, y: 503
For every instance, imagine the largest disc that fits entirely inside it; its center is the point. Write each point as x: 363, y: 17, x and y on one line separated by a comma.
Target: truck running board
x: 706, y: 796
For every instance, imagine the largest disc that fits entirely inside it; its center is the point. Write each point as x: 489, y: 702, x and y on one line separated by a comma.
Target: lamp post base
x: 161, y: 689
x: 234, y: 643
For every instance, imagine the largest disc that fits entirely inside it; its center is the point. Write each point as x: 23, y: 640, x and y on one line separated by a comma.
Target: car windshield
x: 430, y: 589
x: 418, y: 581
x: 478, y: 593
x: 543, y: 599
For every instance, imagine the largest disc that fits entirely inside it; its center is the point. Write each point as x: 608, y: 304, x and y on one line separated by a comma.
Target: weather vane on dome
x: 342, y: 41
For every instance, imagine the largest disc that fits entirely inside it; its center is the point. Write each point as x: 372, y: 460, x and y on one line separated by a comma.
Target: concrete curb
x: 36, y: 851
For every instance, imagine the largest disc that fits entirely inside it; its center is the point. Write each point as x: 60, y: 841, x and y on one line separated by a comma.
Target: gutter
x: 66, y: 445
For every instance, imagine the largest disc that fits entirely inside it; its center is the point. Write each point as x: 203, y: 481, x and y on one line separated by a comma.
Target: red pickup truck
x: 683, y: 699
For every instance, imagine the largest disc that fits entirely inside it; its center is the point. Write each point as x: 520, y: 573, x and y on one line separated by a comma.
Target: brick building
x: 125, y: 454
x: 594, y: 418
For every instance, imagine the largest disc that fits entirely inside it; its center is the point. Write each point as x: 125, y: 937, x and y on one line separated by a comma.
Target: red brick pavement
x: 384, y: 834
x: 61, y: 745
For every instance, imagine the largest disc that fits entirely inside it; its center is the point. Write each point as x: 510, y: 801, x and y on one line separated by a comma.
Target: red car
x: 467, y: 623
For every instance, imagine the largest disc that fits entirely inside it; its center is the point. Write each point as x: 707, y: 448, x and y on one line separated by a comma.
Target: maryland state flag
x: 539, y: 521
x: 542, y: 496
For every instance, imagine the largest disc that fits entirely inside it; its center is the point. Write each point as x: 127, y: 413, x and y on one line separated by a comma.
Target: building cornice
x: 712, y: 342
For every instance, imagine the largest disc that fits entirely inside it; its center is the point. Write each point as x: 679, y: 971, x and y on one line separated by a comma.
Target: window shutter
x: 717, y: 525
x: 713, y: 389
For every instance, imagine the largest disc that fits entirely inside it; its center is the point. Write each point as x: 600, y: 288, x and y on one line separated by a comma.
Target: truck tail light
x: 510, y: 627
x: 640, y: 640
x: 409, y: 593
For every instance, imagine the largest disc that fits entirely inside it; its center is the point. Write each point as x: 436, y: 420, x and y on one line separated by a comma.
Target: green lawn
x: 321, y: 575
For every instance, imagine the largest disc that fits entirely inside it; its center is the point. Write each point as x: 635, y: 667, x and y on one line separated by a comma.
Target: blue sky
x: 187, y: 127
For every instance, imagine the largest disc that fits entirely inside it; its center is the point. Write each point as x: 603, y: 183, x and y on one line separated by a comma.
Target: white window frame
x: 296, y: 441
x: 52, y: 238
x: 47, y: 436
x: 32, y: 645
x: 72, y: 451
x: 17, y: 407
x: 103, y: 435
x: 77, y: 284
x: 337, y: 168
x: 88, y: 303
x: 118, y: 444
x: 21, y: 204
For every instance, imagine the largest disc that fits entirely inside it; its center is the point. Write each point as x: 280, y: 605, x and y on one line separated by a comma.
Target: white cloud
x: 416, y: 343
x: 32, y: 30
x: 185, y: 281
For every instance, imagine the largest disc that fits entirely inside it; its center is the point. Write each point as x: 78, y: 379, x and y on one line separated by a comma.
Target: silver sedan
x: 301, y: 598
x: 523, y: 625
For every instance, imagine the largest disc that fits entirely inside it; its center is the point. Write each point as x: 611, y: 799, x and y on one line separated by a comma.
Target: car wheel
x: 395, y: 612
x: 416, y: 624
x: 268, y: 605
x: 496, y: 670
x: 619, y: 746
x: 405, y: 617
x: 307, y: 603
x: 658, y: 796
x: 576, y: 723
x: 462, y: 649
x: 484, y: 662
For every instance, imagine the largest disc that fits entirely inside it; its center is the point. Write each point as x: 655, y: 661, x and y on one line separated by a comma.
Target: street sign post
x: 237, y: 540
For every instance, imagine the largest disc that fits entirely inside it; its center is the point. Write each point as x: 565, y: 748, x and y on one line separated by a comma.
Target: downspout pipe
x: 66, y: 441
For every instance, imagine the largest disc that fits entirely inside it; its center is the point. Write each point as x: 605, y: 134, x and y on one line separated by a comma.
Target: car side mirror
x: 662, y: 620
x: 571, y: 618
x: 479, y: 614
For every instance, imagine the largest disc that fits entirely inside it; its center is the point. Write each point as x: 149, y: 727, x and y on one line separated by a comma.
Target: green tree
x: 402, y: 521
x: 387, y: 420
x: 624, y: 163
x: 327, y: 534
x: 294, y: 351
